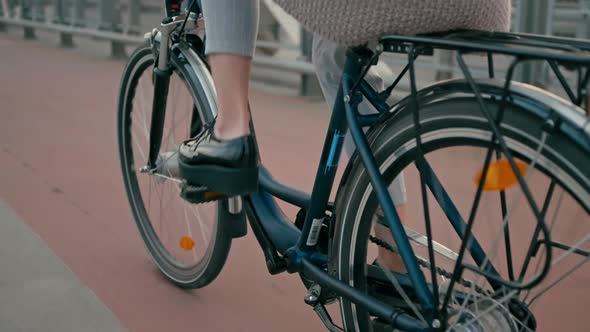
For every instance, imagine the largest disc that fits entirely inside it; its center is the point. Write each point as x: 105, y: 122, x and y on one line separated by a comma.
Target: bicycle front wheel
x: 515, y: 231
x: 187, y: 242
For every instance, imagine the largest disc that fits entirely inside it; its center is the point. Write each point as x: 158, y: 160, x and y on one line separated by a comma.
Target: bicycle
x: 522, y: 138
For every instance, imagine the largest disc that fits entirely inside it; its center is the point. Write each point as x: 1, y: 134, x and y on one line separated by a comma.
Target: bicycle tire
x: 206, y: 270
x: 456, y: 113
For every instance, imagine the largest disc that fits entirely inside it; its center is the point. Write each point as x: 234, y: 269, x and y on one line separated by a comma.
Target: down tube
x: 394, y: 222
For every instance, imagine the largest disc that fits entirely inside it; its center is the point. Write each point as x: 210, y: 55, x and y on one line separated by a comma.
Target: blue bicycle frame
x: 287, y: 248
x: 299, y: 248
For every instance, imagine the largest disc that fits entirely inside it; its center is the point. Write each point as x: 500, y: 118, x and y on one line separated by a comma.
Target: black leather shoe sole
x: 227, y: 180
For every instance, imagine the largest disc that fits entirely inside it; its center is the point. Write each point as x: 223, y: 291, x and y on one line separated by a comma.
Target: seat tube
x: 326, y: 171
x: 393, y: 220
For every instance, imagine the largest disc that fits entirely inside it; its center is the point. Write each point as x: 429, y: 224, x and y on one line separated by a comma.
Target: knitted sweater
x: 354, y: 22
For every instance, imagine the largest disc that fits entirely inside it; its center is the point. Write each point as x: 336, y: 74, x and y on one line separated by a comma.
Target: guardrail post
x: 79, y: 13
x: 39, y: 10
x: 110, y: 20
x: 134, y: 11
x: 4, y: 11
x: 61, y: 16
x: 7, y: 8
x: 535, y: 16
x: 310, y: 86
x: 26, y: 14
x: 445, y: 59
x: 583, y: 30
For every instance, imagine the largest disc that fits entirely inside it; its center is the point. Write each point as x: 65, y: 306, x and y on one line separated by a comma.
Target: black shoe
x: 227, y: 166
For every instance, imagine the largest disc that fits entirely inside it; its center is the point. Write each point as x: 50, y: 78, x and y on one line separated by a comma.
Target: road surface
x: 61, y: 193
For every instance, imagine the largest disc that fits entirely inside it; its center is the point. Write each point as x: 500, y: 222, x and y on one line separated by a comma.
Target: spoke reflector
x: 500, y: 175
x: 187, y: 243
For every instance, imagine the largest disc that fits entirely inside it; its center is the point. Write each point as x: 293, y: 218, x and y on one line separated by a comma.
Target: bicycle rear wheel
x: 457, y: 140
x: 188, y: 243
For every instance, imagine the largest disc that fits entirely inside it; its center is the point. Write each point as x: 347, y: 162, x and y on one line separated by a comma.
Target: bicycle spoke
x: 400, y: 290
x: 546, y: 204
x: 507, y: 311
x: 142, y: 130
x: 204, y: 228
x: 168, y: 203
x: 467, y: 236
x: 144, y: 109
x: 565, y: 275
x: 463, y: 305
x: 452, y: 213
x: 160, y: 209
x: 149, y: 201
x: 488, y: 310
x: 552, y: 223
x: 181, y: 120
x: 571, y: 250
x: 492, y: 252
x: 418, y: 130
x: 194, y: 211
x: 176, y: 124
x: 190, y: 233
x: 138, y: 147
x: 197, y: 216
x: 454, y: 300
x: 498, y: 136
x: 507, y: 242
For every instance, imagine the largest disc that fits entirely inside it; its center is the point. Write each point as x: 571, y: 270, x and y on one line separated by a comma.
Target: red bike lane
x: 60, y: 173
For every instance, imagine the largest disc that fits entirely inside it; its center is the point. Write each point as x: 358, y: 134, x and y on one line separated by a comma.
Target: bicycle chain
x: 426, y: 264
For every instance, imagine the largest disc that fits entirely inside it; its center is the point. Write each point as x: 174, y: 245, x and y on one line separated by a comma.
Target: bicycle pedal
x: 199, y: 194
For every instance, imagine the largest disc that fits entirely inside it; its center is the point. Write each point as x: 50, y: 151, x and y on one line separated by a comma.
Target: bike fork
x: 161, y: 81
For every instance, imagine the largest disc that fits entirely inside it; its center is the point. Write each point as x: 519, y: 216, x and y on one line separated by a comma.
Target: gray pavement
x: 38, y: 292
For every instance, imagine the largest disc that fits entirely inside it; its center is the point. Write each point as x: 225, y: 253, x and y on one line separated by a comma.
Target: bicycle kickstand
x: 312, y: 298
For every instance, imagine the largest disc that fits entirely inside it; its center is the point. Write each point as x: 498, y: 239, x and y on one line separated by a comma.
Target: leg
x: 328, y: 58
x: 225, y: 159
x: 232, y: 26
x: 231, y: 74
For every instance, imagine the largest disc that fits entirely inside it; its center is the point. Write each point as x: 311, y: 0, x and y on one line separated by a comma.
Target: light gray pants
x: 232, y: 27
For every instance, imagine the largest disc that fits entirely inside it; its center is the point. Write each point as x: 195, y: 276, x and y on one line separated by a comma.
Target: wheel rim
x: 180, y: 236
x: 414, y: 185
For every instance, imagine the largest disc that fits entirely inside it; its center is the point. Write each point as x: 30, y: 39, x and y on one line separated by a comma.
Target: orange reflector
x: 187, y: 243
x: 500, y: 175
x: 212, y: 194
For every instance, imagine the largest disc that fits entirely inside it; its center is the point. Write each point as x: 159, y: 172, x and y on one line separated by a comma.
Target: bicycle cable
x: 188, y: 12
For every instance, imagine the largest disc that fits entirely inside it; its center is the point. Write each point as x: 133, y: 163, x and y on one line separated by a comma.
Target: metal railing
x: 123, y: 22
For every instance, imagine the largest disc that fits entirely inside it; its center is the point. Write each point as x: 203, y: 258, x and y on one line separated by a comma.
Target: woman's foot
x: 229, y: 166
